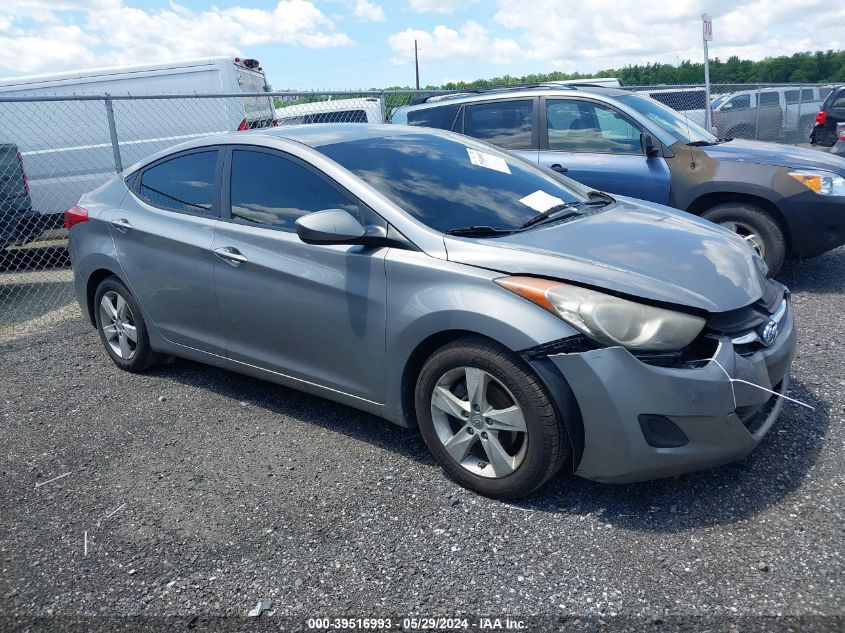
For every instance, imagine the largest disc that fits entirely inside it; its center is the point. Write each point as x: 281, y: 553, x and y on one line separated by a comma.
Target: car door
x: 315, y: 313
x: 163, y: 233
x: 600, y: 147
x: 509, y: 123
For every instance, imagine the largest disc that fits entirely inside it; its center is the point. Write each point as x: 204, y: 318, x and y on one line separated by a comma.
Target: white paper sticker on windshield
x: 540, y: 201
x: 488, y: 160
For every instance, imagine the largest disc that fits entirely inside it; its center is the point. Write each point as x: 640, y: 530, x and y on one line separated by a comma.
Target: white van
x: 361, y: 110
x: 66, y: 145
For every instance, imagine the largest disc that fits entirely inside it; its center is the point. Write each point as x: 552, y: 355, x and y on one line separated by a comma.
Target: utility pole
x: 707, y: 36
x: 417, y: 64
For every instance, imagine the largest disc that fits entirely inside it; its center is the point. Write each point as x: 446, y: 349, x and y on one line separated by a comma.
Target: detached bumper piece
x: 644, y: 421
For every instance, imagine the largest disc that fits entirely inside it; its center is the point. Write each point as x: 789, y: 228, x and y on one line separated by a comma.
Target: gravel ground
x: 202, y: 492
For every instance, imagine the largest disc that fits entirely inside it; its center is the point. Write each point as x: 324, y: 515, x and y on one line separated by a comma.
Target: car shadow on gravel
x: 716, y: 496
x: 284, y: 401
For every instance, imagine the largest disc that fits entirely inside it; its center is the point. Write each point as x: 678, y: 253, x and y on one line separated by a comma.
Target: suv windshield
x: 676, y: 124
x: 447, y: 184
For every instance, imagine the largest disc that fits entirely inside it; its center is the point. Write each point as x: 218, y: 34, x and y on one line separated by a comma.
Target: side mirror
x: 647, y: 143
x: 333, y: 226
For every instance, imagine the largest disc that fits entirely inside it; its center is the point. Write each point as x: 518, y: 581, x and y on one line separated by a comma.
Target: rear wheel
x: 121, y: 327
x: 756, y: 227
x: 487, y: 420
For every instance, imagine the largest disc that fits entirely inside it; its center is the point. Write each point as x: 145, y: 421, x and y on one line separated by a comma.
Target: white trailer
x: 67, y: 144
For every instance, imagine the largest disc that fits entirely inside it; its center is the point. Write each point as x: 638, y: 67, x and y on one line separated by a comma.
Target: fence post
x: 757, y: 124
x: 118, y: 164
x: 383, y: 108
x: 798, y: 116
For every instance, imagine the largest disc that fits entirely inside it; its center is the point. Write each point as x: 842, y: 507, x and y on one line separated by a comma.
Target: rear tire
x: 503, y: 439
x: 756, y: 226
x: 121, y: 327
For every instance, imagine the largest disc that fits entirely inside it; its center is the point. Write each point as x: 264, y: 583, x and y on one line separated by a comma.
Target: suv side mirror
x: 647, y: 143
x: 333, y: 226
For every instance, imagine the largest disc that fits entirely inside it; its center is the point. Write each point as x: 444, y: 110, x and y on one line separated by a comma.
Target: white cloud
x: 438, y: 6
x: 109, y: 29
x: 471, y: 41
x: 369, y: 11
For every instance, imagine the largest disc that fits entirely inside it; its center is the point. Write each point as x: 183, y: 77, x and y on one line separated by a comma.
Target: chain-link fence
x: 54, y: 149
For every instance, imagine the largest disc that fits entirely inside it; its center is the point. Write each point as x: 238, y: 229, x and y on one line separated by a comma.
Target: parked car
x: 15, y: 203
x: 523, y: 321
x: 831, y: 114
x: 785, y: 201
x: 361, y: 110
x: 67, y: 146
x: 769, y: 114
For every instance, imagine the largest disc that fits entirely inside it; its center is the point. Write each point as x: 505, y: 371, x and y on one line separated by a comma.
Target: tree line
x: 808, y: 67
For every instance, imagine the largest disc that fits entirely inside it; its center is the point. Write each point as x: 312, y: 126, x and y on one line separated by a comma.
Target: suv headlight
x: 824, y: 183
x: 607, y: 319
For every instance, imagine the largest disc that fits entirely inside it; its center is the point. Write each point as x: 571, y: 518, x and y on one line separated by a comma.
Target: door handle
x: 560, y: 168
x: 122, y: 224
x: 231, y: 255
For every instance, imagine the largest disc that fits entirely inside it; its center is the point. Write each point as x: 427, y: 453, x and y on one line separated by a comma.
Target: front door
x: 315, y: 313
x: 600, y: 147
x: 163, y: 233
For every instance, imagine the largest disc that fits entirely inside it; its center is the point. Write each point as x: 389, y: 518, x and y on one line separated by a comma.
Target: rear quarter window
x: 441, y: 117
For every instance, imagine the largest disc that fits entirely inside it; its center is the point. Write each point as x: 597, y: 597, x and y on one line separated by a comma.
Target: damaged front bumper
x: 719, y: 420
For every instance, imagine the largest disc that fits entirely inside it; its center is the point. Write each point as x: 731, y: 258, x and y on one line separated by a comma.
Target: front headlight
x: 824, y: 183
x: 607, y: 319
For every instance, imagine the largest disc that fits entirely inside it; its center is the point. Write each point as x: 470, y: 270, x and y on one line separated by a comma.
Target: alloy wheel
x: 748, y: 233
x: 479, y: 422
x: 118, y: 325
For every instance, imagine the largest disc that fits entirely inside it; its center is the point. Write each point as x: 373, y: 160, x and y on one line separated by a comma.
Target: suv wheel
x: 487, y: 420
x: 121, y: 327
x: 756, y: 227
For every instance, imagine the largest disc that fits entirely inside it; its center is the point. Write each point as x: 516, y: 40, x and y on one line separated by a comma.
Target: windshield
x: 447, y: 184
x: 674, y: 123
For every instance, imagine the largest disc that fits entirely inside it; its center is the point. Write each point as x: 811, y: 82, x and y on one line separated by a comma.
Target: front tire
x: 756, y: 227
x: 121, y: 327
x: 487, y: 419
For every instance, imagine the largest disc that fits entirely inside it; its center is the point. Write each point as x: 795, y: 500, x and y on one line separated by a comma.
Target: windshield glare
x: 448, y: 184
x: 671, y: 121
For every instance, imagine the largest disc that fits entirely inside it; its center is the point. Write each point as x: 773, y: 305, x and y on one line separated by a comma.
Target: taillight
x: 243, y: 126
x: 275, y: 123
x: 712, y: 118
x: 23, y: 173
x: 842, y: 133
x: 821, y: 117
x: 74, y: 216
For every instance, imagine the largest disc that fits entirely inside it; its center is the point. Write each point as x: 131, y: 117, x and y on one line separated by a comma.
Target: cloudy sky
x: 312, y: 44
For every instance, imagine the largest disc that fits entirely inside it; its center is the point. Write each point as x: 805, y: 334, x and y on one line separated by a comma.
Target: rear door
x: 163, y: 233
x: 315, y: 313
x: 509, y: 123
x: 600, y: 147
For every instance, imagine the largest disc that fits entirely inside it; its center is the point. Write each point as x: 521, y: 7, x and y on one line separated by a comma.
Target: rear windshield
x: 448, y: 184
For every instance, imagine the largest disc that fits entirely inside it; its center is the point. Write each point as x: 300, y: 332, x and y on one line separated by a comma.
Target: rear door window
x: 807, y: 95
x: 440, y: 117
x: 185, y: 183
x: 271, y: 190
x: 582, y: 126
x: 508, y: 124
x: 769, y: 99
x: 791, y: 96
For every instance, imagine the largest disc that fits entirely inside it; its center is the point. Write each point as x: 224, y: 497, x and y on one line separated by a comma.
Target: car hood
x: 647, y: 251
x: 774, y: 154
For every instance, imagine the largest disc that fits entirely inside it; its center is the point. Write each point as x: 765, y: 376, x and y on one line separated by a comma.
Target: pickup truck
x: 770, y: 114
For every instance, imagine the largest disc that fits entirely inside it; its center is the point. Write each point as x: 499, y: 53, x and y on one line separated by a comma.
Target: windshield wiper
x: 599, y: 199
x: 547, y: 215
x: 479, y: 231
